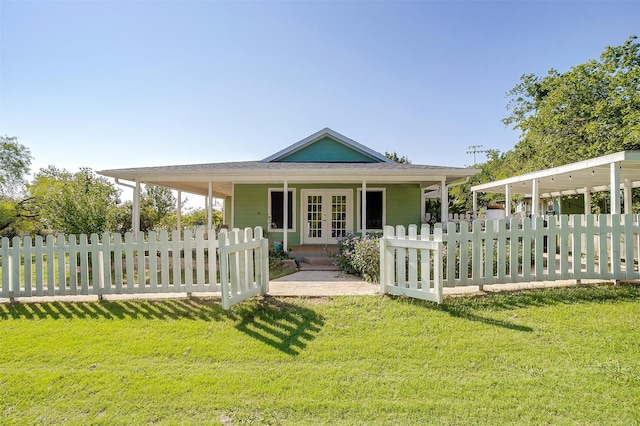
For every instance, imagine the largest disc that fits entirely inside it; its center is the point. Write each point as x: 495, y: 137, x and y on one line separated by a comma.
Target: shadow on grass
x: 509, y: 300
x: 475, y: 307
x: 174, y: 309
x: 279, y: 324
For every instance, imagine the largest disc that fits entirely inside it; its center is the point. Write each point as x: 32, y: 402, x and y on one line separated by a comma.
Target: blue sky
x: 112, y: 84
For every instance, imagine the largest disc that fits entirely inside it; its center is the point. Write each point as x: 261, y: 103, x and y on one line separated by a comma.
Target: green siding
x: 403, y: 204
x: 327, y: 150
x: 251, y: 205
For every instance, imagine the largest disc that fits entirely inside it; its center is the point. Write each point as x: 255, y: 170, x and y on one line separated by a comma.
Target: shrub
x: 359, y: 256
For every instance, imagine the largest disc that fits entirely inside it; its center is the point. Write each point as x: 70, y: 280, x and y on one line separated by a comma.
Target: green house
x: 324, y: 177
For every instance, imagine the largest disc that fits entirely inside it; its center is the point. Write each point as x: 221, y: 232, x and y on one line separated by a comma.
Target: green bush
x: 359, y: 256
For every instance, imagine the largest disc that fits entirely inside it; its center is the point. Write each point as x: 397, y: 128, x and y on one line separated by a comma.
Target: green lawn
x: 555, y: 356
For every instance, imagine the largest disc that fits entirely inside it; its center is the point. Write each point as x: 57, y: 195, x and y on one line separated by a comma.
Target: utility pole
x: 475, y: 149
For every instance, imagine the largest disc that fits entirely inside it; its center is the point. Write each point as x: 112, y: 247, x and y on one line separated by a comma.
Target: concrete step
x: 318, y: 260
x: 304, y: 266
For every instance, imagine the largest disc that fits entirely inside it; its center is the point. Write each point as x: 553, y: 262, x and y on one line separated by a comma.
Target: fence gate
x: 244, y: 265
x: 411, y: 265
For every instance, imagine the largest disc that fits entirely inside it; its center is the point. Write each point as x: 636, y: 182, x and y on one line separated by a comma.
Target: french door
x: 327, y: 215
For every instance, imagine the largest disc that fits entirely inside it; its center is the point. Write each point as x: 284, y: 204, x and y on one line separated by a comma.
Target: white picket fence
x: 411, y: 264
x: 234, y: 264
x: 577, y: 247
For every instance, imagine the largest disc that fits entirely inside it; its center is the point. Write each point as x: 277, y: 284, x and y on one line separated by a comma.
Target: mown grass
x: 553, y: 356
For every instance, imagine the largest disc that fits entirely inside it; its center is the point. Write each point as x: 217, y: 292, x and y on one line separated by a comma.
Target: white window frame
x: 292, y: 207
x: 384, y: 207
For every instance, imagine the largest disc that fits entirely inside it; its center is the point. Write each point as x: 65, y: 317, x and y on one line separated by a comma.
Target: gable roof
x: 354, y: 152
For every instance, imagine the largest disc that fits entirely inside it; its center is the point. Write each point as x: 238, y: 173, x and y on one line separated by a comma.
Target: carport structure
x: 616, y: 173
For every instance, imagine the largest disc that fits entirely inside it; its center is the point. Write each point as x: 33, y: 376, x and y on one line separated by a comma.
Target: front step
x: 314, y: 258
x: 304, y: 266
x: 318, y: 260
x: 317, y: 263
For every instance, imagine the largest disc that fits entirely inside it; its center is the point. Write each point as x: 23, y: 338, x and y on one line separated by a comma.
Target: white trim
x: 233, y: 206
x: 293, y: 208
x: 334, y: 135
x: 384, y: 208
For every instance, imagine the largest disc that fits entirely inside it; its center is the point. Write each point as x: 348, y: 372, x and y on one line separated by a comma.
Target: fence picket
x: 129, y: 263
x: 629, y: 228
x: 425, y: 260
x: 83, y: 253
x: 164, y: 261
x: 515, y: 235
x: 188, y: 261
x: 602, y: 245
x: 38, y: 253
x: 15, y: 267
x: 401, y: 253
x: 200, y: 262
x: 564, y: 247
x: 152, y: 259
x: 4, y: 251
x: 117, y: 263
x: 576, y: 247
x: 28, y: 282
x: 465, y: 240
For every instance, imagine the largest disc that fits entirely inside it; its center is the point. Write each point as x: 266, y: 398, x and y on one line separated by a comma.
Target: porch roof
x: 195, y: 178
x: 593, y: 175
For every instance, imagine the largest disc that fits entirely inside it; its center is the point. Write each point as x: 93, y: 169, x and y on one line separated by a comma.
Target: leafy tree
x: 395, y: 157
x: 195, y: 218
x: 73, y: 203
x: 161, y: 200
x: 591, y: 110
x: 15, y: 160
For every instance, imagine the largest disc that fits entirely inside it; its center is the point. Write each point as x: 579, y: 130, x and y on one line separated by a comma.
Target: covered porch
x: 616, y: 174
x: 227, y: 181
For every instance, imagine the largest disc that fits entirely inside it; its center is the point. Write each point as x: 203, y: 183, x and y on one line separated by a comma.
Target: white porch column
x: 587, y: 201
x: 535, y: 199
x: 209, y: 209
x: 559, y: 200
x: 135, y: 214
x: 363, y: 209
x: 615, y: 188
x: 444, y: 202
x: 180, y: 211
x: 627, y: 197
x: 285, y: 216
x: 475, y: 205
x: 507, y: 201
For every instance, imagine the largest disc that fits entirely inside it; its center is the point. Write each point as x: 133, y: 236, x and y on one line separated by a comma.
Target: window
x: 375, y: 209
x: 276, y: 209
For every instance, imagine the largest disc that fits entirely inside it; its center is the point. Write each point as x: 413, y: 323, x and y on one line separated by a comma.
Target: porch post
x: 135, y: 215
x: 285, y: 216
x: 507, y: 201
x: 444, y: 202
x: 535, y: 199
x: 587, y: 201
x: 363, y: 209
x: 627, y: 197
x: 209, y: 198
x: 180, y: 211
x: 615, y: 188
